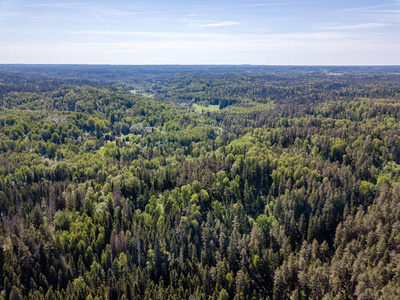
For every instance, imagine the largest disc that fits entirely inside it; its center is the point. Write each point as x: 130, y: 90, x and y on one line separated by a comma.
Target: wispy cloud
x: 384, y: 11
x: 270, y: 4
x: 366, y: 8
x: 99, y: 18
x: 358, y: 26
x: 214, y: 37
x: 178, y: 47
x: 151, y: 41
x: 60, y: 5
x: 132, y: 13
x: 151, y: 35
x: 191, y: 9
x: 219, y: 24
x: 199, y: 31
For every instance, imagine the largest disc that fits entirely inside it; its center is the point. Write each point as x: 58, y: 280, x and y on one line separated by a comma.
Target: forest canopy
x: 114, y: 185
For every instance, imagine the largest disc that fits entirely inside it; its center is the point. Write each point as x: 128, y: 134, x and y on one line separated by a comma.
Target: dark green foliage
x: 289, y: 191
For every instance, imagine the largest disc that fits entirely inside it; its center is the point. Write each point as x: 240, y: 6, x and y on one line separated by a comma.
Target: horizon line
x: 233, y: 64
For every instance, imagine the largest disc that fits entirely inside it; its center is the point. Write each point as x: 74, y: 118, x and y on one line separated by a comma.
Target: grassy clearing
x: 141, y: 94
x: 200, y: 108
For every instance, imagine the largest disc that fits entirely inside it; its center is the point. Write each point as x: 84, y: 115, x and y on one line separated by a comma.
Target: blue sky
x: 271, y: 32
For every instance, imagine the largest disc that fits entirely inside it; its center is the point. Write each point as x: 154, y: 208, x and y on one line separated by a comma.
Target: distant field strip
x: 200, y: 108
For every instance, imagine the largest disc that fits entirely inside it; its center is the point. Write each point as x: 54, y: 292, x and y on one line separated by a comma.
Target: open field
x: 200, y: 108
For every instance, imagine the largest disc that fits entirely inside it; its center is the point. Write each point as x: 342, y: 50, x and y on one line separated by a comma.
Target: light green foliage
x: 366, y: 188
x: 288, y: 188
x: 201, y: 108
x: 223, y: 295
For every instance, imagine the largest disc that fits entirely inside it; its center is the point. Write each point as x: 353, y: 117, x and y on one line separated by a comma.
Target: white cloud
x: 364, y: 8
x: 154, y: 35
x: 386, y: 11
x: 133, y: 13
x: 219, y: 24
x: 358, y: 26
x: 99, y: 18
x: 58, y: 5
x: 149, y: 36
x: 245, y: 39
x: 272, y: 4
x: 294, y: 48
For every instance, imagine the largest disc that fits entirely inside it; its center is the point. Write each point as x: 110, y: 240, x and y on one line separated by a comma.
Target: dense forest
x: 199, y: 182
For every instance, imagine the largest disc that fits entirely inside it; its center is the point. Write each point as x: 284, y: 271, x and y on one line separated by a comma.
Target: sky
x: 269, y: 32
